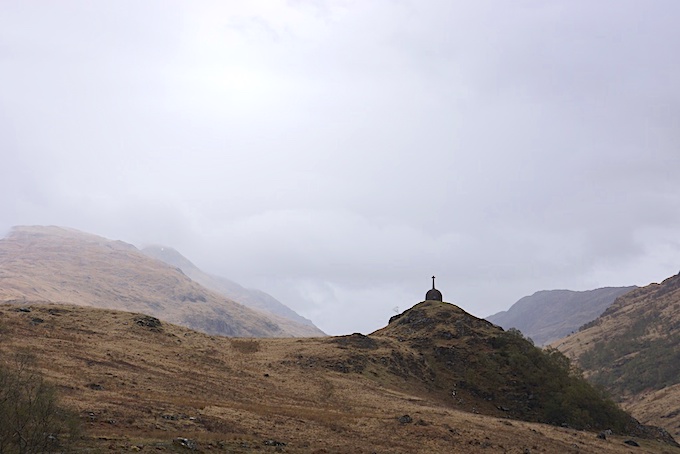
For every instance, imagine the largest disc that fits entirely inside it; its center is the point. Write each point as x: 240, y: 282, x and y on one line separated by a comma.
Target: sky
x: 336, y: 154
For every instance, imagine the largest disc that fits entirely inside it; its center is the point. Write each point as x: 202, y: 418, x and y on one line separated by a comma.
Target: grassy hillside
x: 633, y: 350
x: 139, y: 384
x: 549, y: 315
x: 254, y: 299
x: 63, y: 265
x: 510, y: 374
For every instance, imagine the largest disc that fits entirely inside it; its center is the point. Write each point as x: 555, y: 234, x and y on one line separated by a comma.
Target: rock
x: 184, y: 443
x: 149, y: 322
x: 95, y: 386
x: 604, y: 434
x: 394, y: 318
x: 274, y: 443
x: 406, y: 419
x: 631, y: 443
x: 652, y: 433
x: 24, y: 309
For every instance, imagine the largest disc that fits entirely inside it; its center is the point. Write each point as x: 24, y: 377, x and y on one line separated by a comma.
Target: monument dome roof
x: 433, y: 294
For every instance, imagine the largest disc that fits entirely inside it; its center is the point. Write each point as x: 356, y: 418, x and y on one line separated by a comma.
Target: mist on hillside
x: 336, y: 155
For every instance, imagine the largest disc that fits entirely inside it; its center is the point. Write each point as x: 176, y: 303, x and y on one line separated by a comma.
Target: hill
x: 465, y: 358
x: 140, y: 384
x: 633, y: 350
x: 64, y: 265
x: 252, y: 298
x: 549, y: 315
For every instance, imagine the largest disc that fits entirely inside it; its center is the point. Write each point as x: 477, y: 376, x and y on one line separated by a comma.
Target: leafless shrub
x: 31, y: 421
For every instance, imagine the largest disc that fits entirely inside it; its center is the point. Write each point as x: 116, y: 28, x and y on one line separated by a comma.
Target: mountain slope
x: 500, y: 371
x: 139, y: 384
x: 64, y: 265
x: 254, y: 299
x: 549, y: 315
x: 633, y: 349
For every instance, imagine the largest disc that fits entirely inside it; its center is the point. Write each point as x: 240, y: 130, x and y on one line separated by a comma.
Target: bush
x: 31, y: 421
x: 560, y: 394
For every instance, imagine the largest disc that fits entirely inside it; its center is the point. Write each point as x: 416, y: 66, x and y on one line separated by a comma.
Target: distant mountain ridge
x: 633, y: 351
x: 549, y: 315
x: 252, y: 298
x: 62, y: 265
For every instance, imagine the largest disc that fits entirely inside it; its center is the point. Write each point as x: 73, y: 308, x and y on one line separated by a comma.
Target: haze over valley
x: 92, y: 315
x: 219, y: 223
x: 335, y: 155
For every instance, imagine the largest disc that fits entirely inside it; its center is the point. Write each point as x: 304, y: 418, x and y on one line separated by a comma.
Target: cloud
x: 338, y: 153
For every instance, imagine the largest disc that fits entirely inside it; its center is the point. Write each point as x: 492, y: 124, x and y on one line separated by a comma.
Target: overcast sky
x: 336, y: 154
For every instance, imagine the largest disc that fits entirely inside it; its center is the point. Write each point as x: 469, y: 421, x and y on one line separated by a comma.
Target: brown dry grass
x: 136, y: 388
x: 659, y: 304
x: 58, y: 264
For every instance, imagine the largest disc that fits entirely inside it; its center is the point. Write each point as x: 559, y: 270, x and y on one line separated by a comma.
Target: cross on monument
x: 432, y: 281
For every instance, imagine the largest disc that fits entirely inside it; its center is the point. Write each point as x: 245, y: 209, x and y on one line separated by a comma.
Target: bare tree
x: 31, y: 421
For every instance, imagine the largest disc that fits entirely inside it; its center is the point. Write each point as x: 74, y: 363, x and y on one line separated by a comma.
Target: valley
x: 147, y: 358
x: 140, y: 384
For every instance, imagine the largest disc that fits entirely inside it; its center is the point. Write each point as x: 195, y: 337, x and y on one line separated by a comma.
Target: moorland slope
x: 140, y: 384
x: 549, y: 315
x: 252, y: 298
x: 57, y: 264
x: 633, y: 350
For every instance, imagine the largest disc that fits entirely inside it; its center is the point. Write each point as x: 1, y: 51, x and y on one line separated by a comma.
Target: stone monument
x: 433, y: 294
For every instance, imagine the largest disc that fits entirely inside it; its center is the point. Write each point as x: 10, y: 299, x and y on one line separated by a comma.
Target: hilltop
x: 468, y: 359
x: 633, y: 350
x: 252, y: 298
x: 139, y: 383
x: 549, y: 315
x: 56, y: 264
